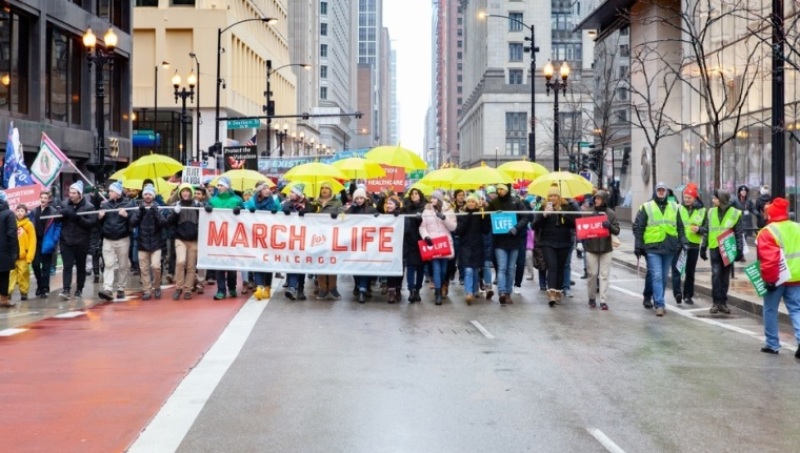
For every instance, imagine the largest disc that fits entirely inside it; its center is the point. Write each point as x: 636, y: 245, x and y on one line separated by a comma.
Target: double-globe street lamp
x: 281, y: 135
x: 556, y: 85
x: 269, y: 108
x: 220, y: 31
x: 532, y: 49
x: 100, y: 57
x: 183, y: 93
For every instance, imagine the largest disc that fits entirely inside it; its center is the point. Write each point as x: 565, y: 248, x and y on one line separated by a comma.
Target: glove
x: 440, y: 215
x: 512, y: 231
x: 579, y: 247
x: 771, y: 287
x: 418, y: 215
x: 429, y: 241
x: 287, y: 211
x: 209, y: 209
x: 639, y: 253
x: 67, y: 213
x: 704, y: 254
x: 334, y: 215
x: 252, y: 209
x: 607, y: 225
x: 301, y: 213
x: 377, y: 214
x: 237, y: 210
x: 142, y: 209
x: 396, y: 213
x: 469, y: 213
x: 177, y: 209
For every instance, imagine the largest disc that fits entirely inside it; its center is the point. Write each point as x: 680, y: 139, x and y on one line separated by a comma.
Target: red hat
x: 691, y: 190
x: 778, y: 209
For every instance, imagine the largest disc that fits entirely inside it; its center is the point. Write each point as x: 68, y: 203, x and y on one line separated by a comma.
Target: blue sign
x: 503, y: 221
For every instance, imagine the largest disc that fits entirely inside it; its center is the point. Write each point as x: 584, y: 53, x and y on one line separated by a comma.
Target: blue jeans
x: 362, y: 283
x: 568, y: 271
x: 471, y: 280
x: 658, y: 267
x: 439, y: 266
x: 791, y: 297
x: 297, y: 281
x: 506, y: 267
x: 414, y: 277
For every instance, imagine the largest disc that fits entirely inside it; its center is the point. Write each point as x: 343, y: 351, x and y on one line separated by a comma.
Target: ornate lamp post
x: 183, y: 93
x: 100, y: 57
x: 556, y: 85
x: 281, y: 135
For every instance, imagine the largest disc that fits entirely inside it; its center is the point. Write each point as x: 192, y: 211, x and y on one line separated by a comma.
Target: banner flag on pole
x: 15, y: 173
x: 48, y: 163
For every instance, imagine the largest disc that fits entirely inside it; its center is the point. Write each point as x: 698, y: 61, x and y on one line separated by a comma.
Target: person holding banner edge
x: 75, y: 235
x: 361, y: 205
x: 393, y: 206
x: 327, y: 203
x: 722, y: 220
x: 414, y: 204
x: 262, y: 200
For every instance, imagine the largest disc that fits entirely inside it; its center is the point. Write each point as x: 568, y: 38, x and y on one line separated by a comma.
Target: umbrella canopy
x: 570, y: 184
x: 242, y: 180
x: 396, y: 156
x: 152, y: 166
x: 311, y: 189
x: 481, y: 176
x: 443, y: 177
x: 358, y: 168
x: 119, y: 175
x: 523, y: 169
x: 314, y: 172
x: 163, y: 188
x: 422, y: 187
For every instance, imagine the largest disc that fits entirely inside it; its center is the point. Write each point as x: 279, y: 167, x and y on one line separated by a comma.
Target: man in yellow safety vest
x: 778, y: 246
x: 722, y: 217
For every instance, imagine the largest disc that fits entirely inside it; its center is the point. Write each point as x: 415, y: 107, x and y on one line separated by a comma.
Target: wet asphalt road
x: 339, y: 376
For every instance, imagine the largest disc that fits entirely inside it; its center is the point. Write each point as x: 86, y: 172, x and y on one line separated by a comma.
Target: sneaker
x: 647, y: 303
x: 96, y: 278
x: 290, y: 294
x: 219, y: 296
x: 78, y: 294
x: 689, y: 301
x: 177, y: 294
x: 714, y: 309
x: 567, y: 294
x: 106, y: 295
x: 231, y: 293
x: 199, y: 289
x: 23, y: 297
x: 335, y: 293
x: 157, y: 293
x: 301, y: 296
x: 768, y: 350
x: 120, y: 294
x: 678, y: 299
x: 592, y: 303
x: 660, y: 311
x: 603, y: 306
x: 517, y: 290
x: 489, y: 294
x: 146, y: 296
x: 725, y: 309
x: 170, y: 278
x: 542, y: 288
x: 187, y: 295
x: 322, y: 295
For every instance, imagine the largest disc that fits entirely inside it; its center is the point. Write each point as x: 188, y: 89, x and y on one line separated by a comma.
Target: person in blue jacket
x: 48, y: 232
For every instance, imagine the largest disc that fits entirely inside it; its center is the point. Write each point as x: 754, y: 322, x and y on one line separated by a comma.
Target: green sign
x: 244, y: 124
x: 416, y: 174
x: 727, y: 247
x: 583, y: 144
x: 753, y: 272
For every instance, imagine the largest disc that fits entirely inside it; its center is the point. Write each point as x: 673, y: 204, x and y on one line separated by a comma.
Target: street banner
x: 502, y: 222
x: 192, y: 175
x: 727, y: 247
x: 264, y: 242
x: 591, y: 227
x: 441, y: 247
x: 680, y: 264
x: 243, y: 157
x: 48, y: 163
x: 753, y: 273
x: 27, y: 195
x: 395, y: 180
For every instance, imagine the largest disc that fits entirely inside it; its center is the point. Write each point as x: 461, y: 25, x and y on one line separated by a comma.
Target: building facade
x: 449, y: 57
x: 305, y: 28
x: 374, y: 48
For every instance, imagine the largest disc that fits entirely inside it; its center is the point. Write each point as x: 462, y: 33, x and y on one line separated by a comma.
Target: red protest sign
x: 27, y: 195
x: 441, y: 247
x: 591, y: 227
x: 395, y: 180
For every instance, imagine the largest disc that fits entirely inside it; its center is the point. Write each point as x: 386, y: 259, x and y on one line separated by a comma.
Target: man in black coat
x: 116, y: 232
x: 76, y: 229
x: 151, y: 223
x: 9, y: 248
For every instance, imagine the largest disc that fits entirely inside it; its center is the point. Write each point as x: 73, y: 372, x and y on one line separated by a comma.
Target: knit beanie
x: 78, y: 186
x: 224, y: 181
x: 778, y: 209
x: 554, y: 190
x: 149, y: 189
x: 359, y: 193
x: 764, y: 190
x: 116, y: 187
x: 298, y: 189
x: 691, y: 190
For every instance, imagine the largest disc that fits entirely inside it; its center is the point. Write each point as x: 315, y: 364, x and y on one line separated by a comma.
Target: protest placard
x: 502, y: 222
x: 591, y: 227
x: 753, y: 273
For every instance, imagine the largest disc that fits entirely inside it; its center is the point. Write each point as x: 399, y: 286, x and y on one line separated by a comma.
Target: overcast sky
x: 409, y: 23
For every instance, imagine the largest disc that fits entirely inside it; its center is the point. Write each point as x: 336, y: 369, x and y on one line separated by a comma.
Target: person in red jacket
x: 778, y: 246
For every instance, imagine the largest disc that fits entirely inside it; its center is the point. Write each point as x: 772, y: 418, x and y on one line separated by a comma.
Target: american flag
x: 251, y: 142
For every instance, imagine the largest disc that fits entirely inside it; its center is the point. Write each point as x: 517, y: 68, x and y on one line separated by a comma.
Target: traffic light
x: 595, y: 158
x: 573, y: 163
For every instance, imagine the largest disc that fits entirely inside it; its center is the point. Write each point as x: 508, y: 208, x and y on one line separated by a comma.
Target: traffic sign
x: 244, y: 124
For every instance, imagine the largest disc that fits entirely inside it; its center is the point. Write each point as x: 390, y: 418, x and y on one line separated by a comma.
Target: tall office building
x: 370, y: 54
x: 304, y: 49
x: 394, y: 120
x: 448, y: 88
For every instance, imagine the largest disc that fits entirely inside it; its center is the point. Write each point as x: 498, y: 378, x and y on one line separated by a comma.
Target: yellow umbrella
x: 396, y: 156
x: 443, y: 177
x: 570, y: 184
x: 163, y: 188
x: 314, y: 171
x: 311, y: 189
x: 153, y: 166
x: 242, y: 180
x: 481, y: 176
x: 119, y: 175
x: 523, y: 169
x: 358, y: 168
x: 422, y: 187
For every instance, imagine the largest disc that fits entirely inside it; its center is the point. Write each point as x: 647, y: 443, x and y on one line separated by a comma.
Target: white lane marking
x: 11, y: 331
x: 694, y: 309
x: 18, y: 314
x: 168, y: 428
x: 482, y: 329
x: 70, y: 314
x: 605, y: 441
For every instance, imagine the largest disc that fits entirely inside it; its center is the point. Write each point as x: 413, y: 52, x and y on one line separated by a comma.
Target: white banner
x: 266, y: 242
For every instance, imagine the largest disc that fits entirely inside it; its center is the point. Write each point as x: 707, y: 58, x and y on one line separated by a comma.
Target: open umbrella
x: 422, y: 187
x: 314, y: 172
x: 481, y: 176
x: 163, y: 188
x: 358, y: 168
x: 118, y: 175
x: 570, y: 184
x: 523, y: 169
x: 153, y: 166
x: 311, y: 189
x: 242, y: 180
x: 443, y: 177
x: 396, y: 156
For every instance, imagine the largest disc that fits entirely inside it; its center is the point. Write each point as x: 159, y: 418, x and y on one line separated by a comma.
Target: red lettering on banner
x: 354, y: 239
x: 217, y: 237
x: 239, y: 236
x: 336, y: 247
x: 367, y: 236
x: 384, y: 244
x: 260, y: 235
x: 273, y: 238
x: 297, y: 239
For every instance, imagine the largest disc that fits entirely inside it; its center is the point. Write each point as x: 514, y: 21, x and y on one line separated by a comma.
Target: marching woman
x: 262, y: 200
x: 392, y: 206
x: 598, y: 252
x: 471, y: 229
x: 554, y: 232
x: 438, y: 221
x: 415, y: 267
x: 361, y: 205
x: 327, y: 203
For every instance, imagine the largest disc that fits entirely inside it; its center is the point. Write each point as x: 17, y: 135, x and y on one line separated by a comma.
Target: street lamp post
x: 164, y: 65
x: 281, y: 134
x: 183, y: 93
x: 100, y: 57
x: 532, y: 49
x: 220, y: 31
x: 556, y: 85
x: 197, y: 105
x: 269, y: 108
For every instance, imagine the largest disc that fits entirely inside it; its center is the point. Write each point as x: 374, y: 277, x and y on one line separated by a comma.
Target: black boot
x: 362, y: 297
x: 392, y: 295
x: 438, y: 293
x: 411, y: 298
x: 417, y: 297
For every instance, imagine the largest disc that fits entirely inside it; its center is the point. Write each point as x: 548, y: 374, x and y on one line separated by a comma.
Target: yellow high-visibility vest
x: 660, y: 225
x: 715, y: 227
x: 688, y: 220
x: 787, y: 236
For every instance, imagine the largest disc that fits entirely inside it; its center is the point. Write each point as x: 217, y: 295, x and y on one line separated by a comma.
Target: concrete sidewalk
x: 741, y: 294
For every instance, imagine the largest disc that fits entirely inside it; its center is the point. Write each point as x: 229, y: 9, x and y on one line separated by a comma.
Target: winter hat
x: 764, y: 190
x: 691, y: 190
x: 185, y: 186
x: 778, y: 209
x: 149, y: 189
x: 224, y: 181
x: 116, y: 187
x: 502, y: 186
x: 298, y: 189
x: 359, y: 193
x: 661, y: 185
x: 723, y: 196
x: 473, y: 196
x: 439, y: 195
x: 490, y: 190
x: 78, y: 186
x: 554, y: 190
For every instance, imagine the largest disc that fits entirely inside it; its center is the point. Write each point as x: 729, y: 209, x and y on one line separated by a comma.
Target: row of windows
x: 567, y: 51
x: 14, y: 33
x: 154, y: 3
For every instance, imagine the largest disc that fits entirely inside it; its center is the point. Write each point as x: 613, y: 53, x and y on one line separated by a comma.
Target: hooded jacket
x: 48, y: 231
x: 603, y: 245
x: 746, y: 205
x: 9, y: 239
x: 186, y: 222
x: 724, y: 205
x: 762, y: 201
x: 471, y: 229
x: 256, y: 203
x: 556, y: 230
x: 670, y: 245
x: 434, y: 227
x: 769, y: 252
x: 226, y: 200
x: 150, y: 222
x: 27, y: 240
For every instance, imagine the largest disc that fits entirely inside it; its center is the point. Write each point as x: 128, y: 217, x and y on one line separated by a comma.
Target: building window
x: 323, y: 29
x: 182, y: 2
x: 63, y: 77
x: 460, y: 66
x: 514, y: 51
x: 622, y: 93
x: 514, y: 21
x: 460, y: 55
x: 323, y: 8
x: 147, y: 3
x: 516, y: 133
x: 623, y: 72
x: 323, y: 72
x: 515, y: 76
x: 14, y: 48
x: 460, y: 44
x: 624, y: 50
x: 323, y: 50
x: 622, y: 116
x: 323, y: 92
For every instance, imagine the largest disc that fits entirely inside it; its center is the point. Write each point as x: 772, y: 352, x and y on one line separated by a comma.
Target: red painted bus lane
x: 93, y: 382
